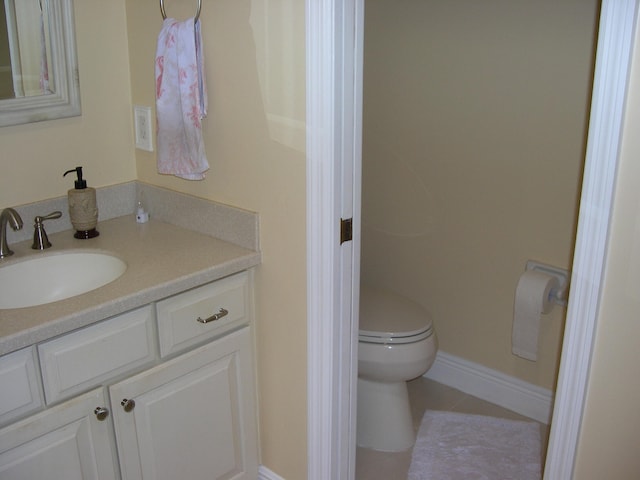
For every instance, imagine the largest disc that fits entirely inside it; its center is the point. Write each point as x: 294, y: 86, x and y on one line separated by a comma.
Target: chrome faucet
x: 13, y: 218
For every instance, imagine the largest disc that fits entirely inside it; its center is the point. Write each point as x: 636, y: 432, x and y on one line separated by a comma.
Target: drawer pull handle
x: 216, y: 316
x: 128, y: 405
x: 101, y: 413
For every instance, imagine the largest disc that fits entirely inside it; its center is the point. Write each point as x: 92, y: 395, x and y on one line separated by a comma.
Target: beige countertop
x: 162, y: 260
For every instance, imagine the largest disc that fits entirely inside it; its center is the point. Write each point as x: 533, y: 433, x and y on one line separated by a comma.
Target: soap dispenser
x: 83, y: 208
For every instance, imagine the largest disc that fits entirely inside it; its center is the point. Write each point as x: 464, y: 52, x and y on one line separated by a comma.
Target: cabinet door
x: 65, y: 442
x: 20, y: 390
x: 192, y: 417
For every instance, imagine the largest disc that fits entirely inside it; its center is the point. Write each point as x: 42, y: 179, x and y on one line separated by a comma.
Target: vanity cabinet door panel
x: 65, y: 442
x: 20, y: 390
x: 193, y: 418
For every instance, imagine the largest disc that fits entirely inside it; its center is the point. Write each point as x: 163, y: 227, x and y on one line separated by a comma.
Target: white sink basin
x: 39, y: 280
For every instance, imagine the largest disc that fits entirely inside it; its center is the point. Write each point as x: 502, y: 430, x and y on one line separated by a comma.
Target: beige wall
x: 35, y: 156
x: 251, y: 170
x: 255, y: 144
x: 254, y: 138
x: 474, y: 137
x: 608, y: 446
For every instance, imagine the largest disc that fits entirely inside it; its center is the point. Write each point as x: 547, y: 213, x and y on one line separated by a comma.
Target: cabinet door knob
x: 128, y: 405
x: 101, y: 413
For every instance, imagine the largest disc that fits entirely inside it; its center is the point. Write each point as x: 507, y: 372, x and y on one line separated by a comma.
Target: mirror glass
x: 38, y: 65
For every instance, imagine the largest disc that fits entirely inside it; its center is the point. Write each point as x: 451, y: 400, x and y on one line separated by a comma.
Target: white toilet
x: 397, y: 342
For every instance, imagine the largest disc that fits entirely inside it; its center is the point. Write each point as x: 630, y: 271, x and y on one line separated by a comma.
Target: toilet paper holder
x: 556, y: 295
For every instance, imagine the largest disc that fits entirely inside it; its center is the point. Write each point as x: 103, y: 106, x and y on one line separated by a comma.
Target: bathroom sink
x: 45, y: 279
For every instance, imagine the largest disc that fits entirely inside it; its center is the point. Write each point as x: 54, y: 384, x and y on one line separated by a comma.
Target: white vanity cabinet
x: 164, y: 404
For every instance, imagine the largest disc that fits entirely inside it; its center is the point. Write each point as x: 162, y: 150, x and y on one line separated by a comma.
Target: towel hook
x: 195, y: 19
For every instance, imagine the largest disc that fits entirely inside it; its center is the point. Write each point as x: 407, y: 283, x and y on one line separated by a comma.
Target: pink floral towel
x: 181, y: 100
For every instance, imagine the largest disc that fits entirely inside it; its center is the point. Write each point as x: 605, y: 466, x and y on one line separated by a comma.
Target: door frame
x: 334, y: 35
x: 334, y: 140
x: 616, y: 37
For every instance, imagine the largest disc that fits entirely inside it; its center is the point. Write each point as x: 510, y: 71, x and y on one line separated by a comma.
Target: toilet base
x: 384, y: 416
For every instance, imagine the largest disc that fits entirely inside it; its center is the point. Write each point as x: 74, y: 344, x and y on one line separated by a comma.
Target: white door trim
x: 334, y: 110
x: 613, y: 61
x: 332, y: 124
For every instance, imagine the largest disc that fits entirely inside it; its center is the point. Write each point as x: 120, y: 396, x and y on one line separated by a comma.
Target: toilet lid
x: 386, y: 317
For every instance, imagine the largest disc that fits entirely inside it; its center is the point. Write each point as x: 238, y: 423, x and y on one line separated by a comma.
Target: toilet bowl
x: 396, y: 343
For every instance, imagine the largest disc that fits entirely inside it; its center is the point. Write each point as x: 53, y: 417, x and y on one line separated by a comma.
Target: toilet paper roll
x: 531, y: 301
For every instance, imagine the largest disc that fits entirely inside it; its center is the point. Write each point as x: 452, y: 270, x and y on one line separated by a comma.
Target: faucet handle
x: 51, y: 216
x: 40, y: 239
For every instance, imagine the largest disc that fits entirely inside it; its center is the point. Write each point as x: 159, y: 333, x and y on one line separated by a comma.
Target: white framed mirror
x: 38, y: 61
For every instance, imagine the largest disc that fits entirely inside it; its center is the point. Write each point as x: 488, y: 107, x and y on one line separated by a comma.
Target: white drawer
x: 83, y: 359
x: 178, y: 324
x: 20, y: 391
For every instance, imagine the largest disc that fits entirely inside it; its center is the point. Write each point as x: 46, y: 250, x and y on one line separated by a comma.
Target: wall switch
x: 142, y: 122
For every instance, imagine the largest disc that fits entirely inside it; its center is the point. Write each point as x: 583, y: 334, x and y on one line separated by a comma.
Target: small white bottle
x: 142, y: 216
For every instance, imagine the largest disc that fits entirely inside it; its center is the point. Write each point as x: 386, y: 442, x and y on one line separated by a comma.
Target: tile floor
x: 426, y: 394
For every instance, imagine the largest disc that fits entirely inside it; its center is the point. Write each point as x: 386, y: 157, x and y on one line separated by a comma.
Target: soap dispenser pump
x: 83, y: 208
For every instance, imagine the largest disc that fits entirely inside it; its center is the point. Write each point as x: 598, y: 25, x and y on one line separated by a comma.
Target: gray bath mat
x: 455, y: 446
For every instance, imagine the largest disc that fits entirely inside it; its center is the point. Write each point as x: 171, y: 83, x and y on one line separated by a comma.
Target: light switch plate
x: 142, y: 122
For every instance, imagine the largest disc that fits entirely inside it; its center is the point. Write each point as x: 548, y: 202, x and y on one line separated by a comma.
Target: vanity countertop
x: 162, y: 260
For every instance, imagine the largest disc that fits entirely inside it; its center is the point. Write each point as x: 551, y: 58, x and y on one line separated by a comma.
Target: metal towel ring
x: 195, y: 19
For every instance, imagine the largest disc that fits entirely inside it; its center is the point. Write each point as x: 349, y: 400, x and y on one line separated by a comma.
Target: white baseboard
x: 265, y: 474
x: 506, y: 391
